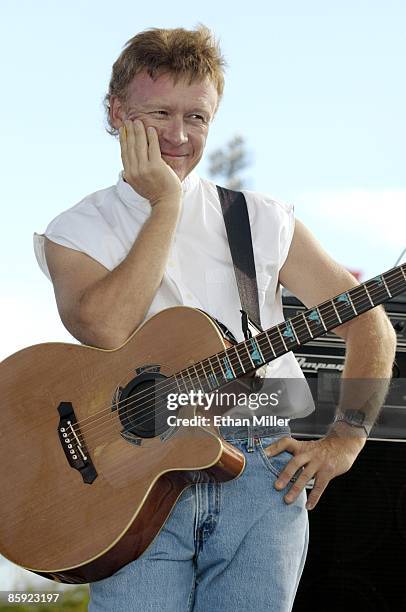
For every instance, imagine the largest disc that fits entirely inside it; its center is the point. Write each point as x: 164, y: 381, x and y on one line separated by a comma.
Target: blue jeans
x: 226, y: 546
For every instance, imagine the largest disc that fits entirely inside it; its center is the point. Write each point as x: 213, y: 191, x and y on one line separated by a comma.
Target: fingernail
x: 288, y: 499
x: 309, y: 506
x: 279, y: 484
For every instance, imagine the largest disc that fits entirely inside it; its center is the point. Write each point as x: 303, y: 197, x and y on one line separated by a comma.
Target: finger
x: 141, y: 143
x: 154, y: 151
x: 132, y: 159
x: 319, y: 487
x: 307, y: 474
x: 283, y: 444
x: 123, y: 146
x: 289, y: 471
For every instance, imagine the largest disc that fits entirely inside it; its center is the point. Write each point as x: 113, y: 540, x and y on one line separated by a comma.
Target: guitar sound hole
x: 142, y: 408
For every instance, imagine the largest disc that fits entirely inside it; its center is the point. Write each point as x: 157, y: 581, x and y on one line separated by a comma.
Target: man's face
x: 180, y: 113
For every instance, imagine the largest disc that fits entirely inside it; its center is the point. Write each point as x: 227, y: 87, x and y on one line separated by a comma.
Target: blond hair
x: 191, y: 54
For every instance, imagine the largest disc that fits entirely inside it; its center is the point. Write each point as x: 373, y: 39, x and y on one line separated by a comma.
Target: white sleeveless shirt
x: 199, y: 271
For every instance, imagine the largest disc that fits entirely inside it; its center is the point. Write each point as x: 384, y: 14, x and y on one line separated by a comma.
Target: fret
x: 377, y: 289
x: 321, y: 318
x: 315, y: 322
x: 212, y: 375
x: 275, y: 334
x: 191, y: 379
x: 270, y: 343
x: 256, y: 354
x: 265, y: 352
x: 386, y: 286
x: 243, y: 356
x: 283, y: 341
x: 204, y: 372
x: 331, y: 316
x: 301, y: 332
x: 352, y: 305
x: 198, y: 376
x: 183, y: 380
x: 395, y: 280
x: 248, y: 353
x: 369, y: 297
x: 336, y: 311
x: 289, y: 333
x: 343, y: 301
x: 221, y: 368
x: 230, y: 374
x: 176, y: 380
x: 294, y: 331
x: 307, y: 325
x: 238, y: 357
x: 362, y: 299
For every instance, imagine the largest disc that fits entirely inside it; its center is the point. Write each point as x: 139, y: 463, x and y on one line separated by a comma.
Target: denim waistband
x: 246, y: 431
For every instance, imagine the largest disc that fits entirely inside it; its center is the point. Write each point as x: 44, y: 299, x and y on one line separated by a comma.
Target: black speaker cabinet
x: 357, y: 551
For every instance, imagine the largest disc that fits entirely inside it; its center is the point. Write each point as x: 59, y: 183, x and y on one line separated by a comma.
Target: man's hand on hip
x: 322, y: 459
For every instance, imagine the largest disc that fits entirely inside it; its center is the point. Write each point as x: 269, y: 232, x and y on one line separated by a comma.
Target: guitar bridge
x: 75, y: 450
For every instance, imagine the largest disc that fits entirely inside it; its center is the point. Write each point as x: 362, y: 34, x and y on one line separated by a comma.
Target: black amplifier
x: 322, y: 362
x: 358, y: 529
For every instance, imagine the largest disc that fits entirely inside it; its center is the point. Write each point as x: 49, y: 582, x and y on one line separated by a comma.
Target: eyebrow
x: 163, y: 106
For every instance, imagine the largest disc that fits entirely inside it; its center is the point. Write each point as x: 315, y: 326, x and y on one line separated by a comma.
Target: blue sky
x: 316, y: 88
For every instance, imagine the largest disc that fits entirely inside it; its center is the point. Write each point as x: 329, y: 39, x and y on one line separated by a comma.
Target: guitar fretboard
x: 249, y: 355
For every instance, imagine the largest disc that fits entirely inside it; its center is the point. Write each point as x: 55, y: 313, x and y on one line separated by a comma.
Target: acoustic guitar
x: 90, y: 467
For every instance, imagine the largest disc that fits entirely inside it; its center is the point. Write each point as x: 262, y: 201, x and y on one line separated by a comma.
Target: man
x: 157, y: 239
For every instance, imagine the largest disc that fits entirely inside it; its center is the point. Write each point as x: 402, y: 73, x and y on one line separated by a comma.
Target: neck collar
x: 130, y: 197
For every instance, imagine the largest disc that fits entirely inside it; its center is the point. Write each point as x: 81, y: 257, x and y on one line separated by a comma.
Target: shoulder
x: 260, y: 205
x: 89, y: 227
x: 88, y: 210
x: 265, y: 205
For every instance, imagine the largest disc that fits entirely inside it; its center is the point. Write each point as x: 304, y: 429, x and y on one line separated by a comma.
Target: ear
x: 117, y: 111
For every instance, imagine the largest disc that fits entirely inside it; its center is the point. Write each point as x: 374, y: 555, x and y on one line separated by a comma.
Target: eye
x: 199, y: 117
x: 161, y: 113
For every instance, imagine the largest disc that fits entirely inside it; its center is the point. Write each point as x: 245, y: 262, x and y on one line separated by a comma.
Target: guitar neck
x: 249, y: 355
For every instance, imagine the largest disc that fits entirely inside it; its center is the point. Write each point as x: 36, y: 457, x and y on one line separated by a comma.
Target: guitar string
x: 274, y: 329
x: 148, y: 409
x: 112, y: 420
x: 218, y: 373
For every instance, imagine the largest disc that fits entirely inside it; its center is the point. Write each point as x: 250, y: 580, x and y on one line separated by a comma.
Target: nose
x: 175, y: 131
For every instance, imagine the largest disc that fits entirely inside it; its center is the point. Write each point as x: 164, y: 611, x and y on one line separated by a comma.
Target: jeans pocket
x: 277, y: 463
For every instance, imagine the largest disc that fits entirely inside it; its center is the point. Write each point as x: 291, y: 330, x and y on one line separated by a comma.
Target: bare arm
x: 313, y: 276
x: 102, y: 308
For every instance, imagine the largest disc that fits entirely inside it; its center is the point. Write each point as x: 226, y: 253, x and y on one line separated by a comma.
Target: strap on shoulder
x: 236, y: 220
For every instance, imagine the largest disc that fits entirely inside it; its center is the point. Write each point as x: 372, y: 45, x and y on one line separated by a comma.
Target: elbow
x: 375, y: 327
x: 96, y: 329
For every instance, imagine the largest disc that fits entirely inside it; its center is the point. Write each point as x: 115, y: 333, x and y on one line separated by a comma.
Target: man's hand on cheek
x: 322, y: 460
x: 144, y: 168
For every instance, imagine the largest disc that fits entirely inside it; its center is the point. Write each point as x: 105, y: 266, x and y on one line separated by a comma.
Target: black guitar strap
x: 236, y: 220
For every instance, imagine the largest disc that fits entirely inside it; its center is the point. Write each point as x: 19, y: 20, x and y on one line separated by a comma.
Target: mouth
x: 171, y: 156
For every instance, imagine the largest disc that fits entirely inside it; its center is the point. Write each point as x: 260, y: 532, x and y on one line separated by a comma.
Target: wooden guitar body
x: 90, y: 466
x: 81, y: 525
